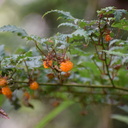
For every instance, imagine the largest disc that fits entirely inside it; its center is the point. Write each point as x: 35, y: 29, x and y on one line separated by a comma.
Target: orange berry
x: 47, y: 63
x: 34, y: 85
x: 55, y: 103
x: 108, y: 38
x: 66, y: 66
x: 26, y: 96
x: 67, y: 74
x: 7, y: 91
x: 3, y: 81
x: 50, y: 75
x: 51, y: 41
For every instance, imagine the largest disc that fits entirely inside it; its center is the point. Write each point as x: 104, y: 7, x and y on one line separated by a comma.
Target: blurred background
x: 28, y: 15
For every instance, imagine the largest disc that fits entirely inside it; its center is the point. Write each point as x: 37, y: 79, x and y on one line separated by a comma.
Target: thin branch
x: 97, y: 66
x: 93, y: 93
x: 39, y: 49
x: 29, y: 76
x: 77, y: 85
x: 105, y: 59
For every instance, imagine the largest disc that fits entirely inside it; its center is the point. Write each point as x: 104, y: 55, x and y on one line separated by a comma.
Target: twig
x: 29, y: 76
x: 78, y: 86
x: 39, y: 49
x: 97, y: 66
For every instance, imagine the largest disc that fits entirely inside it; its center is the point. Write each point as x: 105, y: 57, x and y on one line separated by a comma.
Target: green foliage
x: 65, y: 15
x: 2, y: 53
x: 11, y: 28
x: 96, y: 48
x: 122, y: 24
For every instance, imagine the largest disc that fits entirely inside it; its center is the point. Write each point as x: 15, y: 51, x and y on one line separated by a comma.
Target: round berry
x: 108, y: 38
x: 66, y: 66
x: 26, y: 96
x: 34, y: 85
x: 50, y: 75
x: 47, y: 63
x: 56, y: 103
x: 3, y: 81
x: 7, y: 91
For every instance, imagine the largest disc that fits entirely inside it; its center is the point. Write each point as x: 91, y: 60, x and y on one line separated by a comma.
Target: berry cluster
x: 5, y: 90
x: 65, y: 66
x: 58, y: 62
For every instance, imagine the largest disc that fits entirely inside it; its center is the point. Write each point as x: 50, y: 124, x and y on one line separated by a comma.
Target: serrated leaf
x: 62, y: 37
x: 34, y: 62
x: 107, y: 10
x: 80, y: 32
x: 115, y: 53
x: 65, y: 15
x: 113, y: 42
x: 2, y: 53
x: 11, y: 28
x: 37, y: 39
x: 125, y: 60
x: 68, y: 25
x: 118, y: 14
x: 77, y: 51
x: 115, y: 48
x: 122, y: 24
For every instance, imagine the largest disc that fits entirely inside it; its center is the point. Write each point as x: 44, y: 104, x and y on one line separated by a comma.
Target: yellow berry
x: 34, y: 85
x: 66, y: 66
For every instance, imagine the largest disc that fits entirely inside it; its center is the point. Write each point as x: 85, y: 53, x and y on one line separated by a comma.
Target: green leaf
x: 34, y: 62
x: 11, y: 28
x: 115, y: 53
x: 118, y: 14
x: 106, y: 11
x: 53, y: 114
x: 68, y: 25
x: 122, y: 24
x: 78, y: 52
x: 65, y: 15
x: 112, y: 42
x: 120, y: 118
x: 37, y: 39
x: 80, y: 32
x: 2, y: 53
